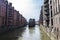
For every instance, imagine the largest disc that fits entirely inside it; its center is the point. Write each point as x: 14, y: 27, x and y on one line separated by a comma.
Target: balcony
x: 46, y: 9
x: 59, y: 8
x: 45, y: 1
x: 47, y: 19
x: 47, y: 13
x: 46, y: 5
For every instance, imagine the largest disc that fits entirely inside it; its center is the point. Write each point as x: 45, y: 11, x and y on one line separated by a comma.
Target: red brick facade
x: 9, y: 17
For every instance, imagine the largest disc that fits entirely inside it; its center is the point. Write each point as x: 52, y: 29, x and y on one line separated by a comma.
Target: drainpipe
x: 57, y: 33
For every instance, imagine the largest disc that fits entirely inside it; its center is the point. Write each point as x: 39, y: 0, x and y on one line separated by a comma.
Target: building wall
x: 53, y: 7
x: 44, y: 17
x: 15, y: 17
x: 50, y: 13
x: 9, y: 16
x: 56, y: 13
x: 1, y: 21
x: 2, y: 11
x: 20, y: 19
x: 3, y: 8
x: 46, y: 13
x: 57, y: 20
x: 41, y: 16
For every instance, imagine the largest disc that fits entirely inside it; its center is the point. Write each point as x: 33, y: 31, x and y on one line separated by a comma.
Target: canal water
x: 26, y: 33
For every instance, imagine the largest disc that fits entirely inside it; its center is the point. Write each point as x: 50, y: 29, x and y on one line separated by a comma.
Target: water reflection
x: 25, y: 33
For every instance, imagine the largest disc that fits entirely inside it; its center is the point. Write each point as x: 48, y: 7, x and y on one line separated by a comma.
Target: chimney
x: 10, y: 4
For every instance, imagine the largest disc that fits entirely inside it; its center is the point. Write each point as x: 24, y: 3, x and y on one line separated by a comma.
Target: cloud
x: 28, y: 8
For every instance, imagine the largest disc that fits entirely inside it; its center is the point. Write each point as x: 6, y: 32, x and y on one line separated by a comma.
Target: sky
x: 28, y: 8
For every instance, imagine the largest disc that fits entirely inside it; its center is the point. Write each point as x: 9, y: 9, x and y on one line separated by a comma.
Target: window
x: 50, y: 1
x: 59, y: 8
x: 51, y: 7
x: 56, y: 20
x: 54, y: 12
x: 51, y: 14
x: 56, y: 9
x: 51, y: 21
x: 58, y: 2
x: 59, y: 20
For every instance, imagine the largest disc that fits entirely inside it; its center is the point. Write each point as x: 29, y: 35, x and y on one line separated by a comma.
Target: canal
x: 26, y: 33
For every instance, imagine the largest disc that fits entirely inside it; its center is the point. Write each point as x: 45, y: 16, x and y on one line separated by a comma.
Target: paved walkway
x: 50, y: 34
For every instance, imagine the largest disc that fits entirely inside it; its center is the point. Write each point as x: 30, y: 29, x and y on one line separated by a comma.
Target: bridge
x: 37, y: 22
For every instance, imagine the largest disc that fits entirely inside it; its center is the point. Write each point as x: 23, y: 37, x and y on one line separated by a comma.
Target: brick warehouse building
x: 51, y: 10
x: 41, y: 16
x: 53, y: 7
x: 44, y: 16
x: 2, y: 13
x: 56, y: 14
x: 53, y: 16
x: 9, y: 17
x: 47, y: 13
x: 15, y: 17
